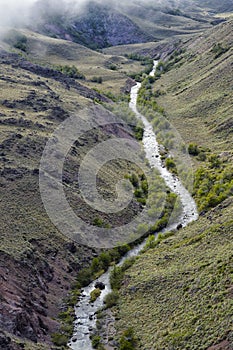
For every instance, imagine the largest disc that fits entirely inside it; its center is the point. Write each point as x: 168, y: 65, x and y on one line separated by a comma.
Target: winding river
x: 85, y: 311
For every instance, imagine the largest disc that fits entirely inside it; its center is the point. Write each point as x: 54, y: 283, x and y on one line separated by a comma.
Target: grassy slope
x: 91, y: 63
x: 50, y: 51
x: 200, y: 108
x: 42, y: 264
x: 178, y: 295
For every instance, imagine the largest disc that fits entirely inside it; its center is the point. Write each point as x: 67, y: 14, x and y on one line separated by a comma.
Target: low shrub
x: 98, y: 80
x: 128, y: 340
x: 193, y: 149
x: 95, y: 341
x: 94, y: 295
x: 171, y: 165
x: 59, y: 339
x: 111, y: 299
x: 219, y: 50
x: 70, y: 71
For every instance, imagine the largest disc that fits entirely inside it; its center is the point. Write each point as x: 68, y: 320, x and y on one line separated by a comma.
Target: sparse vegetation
x: 179, y: 273
x: 98, y: 80
x: 70, y: 71
x: 218, y: 50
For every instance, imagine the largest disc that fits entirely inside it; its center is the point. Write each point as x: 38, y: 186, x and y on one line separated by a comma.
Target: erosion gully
x: 85, y: 311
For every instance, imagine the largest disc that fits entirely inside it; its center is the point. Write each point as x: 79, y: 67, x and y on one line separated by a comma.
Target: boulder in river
x: 100, y: 285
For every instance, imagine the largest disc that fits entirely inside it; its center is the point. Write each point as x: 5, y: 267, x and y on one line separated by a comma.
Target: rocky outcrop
x: 100, y: 285
x: 17, y: 62
x: 128, y: 86
x: 7, y: 344
x: 32, y: 289
x: 98, y: 26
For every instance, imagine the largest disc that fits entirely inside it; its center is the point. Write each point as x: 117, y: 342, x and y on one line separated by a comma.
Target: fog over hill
x: 103, y: 23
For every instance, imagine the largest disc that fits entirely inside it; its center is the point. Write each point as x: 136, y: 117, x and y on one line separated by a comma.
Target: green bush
x: 214, y: 161
x: 98, y: 222
x: 213, y: 183
x: 202, y: 156
x: 134, y: 180
x: 116, y: 277
x: 117, y: 273
x: 219, y: 50
x: 138, y: 193
x: 128, y: 340
x: 98, y: 80
x: 95, y: 341
x: 111, y: 299
x: 70, y: 71
x: 171, y: 165
x: 84, y: 277
x: 101, y: 262
x: 123, y: 249
x: 138, y: 132
x: 126, y: 344
x: 59, y: 339
x: 94, y: 295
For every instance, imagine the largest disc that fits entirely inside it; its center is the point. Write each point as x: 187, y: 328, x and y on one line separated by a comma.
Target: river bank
x: 85, y: 311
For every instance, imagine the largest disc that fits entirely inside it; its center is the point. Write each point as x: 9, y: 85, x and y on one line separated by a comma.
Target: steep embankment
x: 196, y: 92
x: 178, y: 294
x: 38, y: 264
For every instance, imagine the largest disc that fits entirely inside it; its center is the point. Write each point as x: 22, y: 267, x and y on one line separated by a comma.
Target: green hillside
x: 178, y: 294
x: 200, y: 108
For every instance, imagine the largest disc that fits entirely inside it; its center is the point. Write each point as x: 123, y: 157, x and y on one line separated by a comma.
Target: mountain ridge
x: 104, y: 24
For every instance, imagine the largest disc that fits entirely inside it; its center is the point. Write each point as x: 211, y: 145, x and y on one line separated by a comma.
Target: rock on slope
x: 38, y: 264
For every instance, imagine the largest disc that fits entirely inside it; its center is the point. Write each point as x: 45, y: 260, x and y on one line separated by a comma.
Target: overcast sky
x: 13, y: 11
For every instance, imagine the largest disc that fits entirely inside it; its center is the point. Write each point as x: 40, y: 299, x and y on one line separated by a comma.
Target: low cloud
x: 15, y: 13
x: 25, y: 12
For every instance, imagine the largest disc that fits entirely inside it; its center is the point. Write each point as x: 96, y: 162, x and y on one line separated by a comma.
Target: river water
x: 85, y: 311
